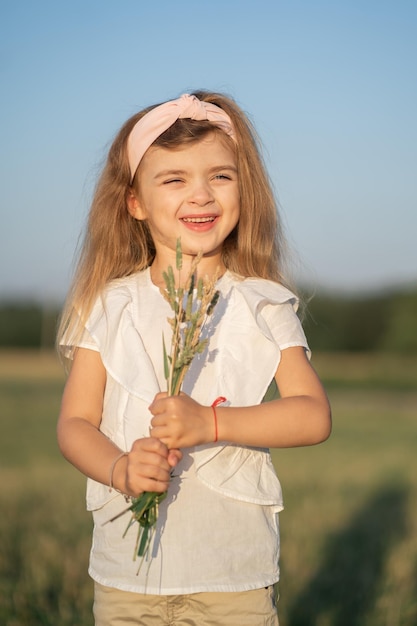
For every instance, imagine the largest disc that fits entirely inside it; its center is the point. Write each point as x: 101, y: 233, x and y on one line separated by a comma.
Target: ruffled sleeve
x: 252, y: 323
x: 258, y: 321
x: 112, y: 326
x: 131, y: 382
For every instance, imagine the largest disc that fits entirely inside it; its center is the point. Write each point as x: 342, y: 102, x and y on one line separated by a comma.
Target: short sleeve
x: 88, y: 342
x: 285, y: 326
x: 68, y: 344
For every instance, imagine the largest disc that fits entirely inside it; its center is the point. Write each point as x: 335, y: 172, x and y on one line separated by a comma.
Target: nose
x: 201, y: 193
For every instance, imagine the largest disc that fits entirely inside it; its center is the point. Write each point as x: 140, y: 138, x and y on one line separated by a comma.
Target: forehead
x: 211, y: 149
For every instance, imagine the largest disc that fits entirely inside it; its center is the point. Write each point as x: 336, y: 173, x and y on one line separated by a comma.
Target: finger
x: 151, y: 472
x: 158, y: 420
x: 174, y: 457
x: 164, y: 434
x: 149, y: 444
x: 136, y: 487
x: 161, y: 395
x: 148, y: 477
x: 148, y: 459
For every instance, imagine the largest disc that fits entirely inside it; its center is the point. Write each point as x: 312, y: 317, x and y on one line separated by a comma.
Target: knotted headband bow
x: 159, y: 119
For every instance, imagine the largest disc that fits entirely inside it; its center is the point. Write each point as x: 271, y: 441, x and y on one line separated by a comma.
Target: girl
x: 189, y: 169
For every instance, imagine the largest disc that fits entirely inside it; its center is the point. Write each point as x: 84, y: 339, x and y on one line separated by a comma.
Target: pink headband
x: 162, y: 117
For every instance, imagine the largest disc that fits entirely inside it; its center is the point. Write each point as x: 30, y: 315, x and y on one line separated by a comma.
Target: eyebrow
x: 216, y: 168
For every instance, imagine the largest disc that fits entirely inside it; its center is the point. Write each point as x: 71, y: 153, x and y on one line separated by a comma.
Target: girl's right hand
x: 147, y: 467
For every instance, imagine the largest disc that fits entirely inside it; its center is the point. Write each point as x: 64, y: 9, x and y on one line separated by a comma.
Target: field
x: 349, y: 529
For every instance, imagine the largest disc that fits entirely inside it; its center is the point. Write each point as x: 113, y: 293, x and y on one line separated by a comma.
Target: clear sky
x: 330, y: 85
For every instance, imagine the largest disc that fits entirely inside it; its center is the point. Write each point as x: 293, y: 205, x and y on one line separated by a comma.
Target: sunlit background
x: 330, y: 85
x: 332, y: 89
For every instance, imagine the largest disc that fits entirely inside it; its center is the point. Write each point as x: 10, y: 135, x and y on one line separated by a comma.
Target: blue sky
x: 330, y: 86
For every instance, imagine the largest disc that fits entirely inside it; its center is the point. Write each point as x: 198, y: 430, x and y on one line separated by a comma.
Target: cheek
x: 234, y: 220
x: 236, y: 211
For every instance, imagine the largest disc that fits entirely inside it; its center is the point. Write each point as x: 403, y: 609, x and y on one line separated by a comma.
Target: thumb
x: 174, y: 457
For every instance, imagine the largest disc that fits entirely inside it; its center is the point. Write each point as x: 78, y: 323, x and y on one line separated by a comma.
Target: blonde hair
x: 117, y: 245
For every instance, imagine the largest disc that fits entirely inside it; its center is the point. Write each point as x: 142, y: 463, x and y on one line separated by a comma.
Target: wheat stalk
x: 191, y: 305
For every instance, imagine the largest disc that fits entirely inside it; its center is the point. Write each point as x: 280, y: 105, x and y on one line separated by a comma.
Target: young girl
x: 189, y: 169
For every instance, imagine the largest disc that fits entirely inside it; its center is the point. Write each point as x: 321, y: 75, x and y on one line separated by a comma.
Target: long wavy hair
x: 116, y: 245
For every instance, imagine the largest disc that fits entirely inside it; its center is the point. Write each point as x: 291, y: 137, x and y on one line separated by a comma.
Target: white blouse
x: 218, y: 527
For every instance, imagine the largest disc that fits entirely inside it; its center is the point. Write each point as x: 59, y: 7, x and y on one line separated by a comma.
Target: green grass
x: 349, y: 528
x: 44, y: 529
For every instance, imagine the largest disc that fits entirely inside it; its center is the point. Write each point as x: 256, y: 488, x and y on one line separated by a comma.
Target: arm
x: 300, y: 417
x: 148, y: 464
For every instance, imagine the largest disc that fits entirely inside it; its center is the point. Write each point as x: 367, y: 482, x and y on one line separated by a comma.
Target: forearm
x: 90, y: 451
x: 300, y: 420
x: 301, y: 417
x: 284, y: 423
x: 146, y: 467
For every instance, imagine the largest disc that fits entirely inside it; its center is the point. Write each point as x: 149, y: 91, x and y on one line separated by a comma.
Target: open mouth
x: 198, y: 220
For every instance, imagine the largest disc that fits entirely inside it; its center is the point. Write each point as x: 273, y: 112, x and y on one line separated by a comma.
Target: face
x: 191, y: 193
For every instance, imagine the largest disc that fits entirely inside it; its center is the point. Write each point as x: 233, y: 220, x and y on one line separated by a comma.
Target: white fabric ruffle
x: 253, y: 320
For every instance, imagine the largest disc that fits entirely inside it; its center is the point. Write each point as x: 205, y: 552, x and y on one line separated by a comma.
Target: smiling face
x: 191, y: 192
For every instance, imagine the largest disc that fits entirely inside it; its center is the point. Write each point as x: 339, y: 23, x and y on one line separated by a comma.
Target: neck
x: 208, y: 266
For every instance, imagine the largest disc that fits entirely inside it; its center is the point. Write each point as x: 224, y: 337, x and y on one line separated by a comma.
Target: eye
x: 172, y: 180
x: 222, y: 177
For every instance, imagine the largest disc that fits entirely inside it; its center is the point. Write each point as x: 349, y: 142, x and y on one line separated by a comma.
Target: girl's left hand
x: 180, y: 421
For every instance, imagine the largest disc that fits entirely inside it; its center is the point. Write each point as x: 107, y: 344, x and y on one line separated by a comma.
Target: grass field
x: 349, y: 529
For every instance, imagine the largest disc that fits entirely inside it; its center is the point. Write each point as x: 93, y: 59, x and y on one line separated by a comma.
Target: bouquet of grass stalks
x: 191, y: 305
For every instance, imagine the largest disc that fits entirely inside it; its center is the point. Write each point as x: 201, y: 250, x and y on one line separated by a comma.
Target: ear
x: 134, y: 206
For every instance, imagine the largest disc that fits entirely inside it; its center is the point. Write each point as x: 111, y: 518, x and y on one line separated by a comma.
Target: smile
x: 198, y: 220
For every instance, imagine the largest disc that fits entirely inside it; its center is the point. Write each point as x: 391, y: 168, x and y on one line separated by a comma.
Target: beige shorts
x: 247, y: 608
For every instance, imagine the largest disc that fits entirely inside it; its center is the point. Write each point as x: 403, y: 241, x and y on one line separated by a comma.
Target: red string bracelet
x: 213, y: 406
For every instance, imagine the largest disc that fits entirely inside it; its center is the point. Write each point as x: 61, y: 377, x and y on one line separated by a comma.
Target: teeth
x: 198, y: 220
